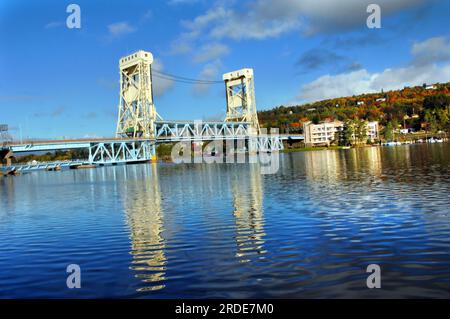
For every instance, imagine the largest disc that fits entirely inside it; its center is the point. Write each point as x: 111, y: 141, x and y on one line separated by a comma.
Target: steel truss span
x: 213, y: 131
x: 121, y: 152
x: 174, y: 131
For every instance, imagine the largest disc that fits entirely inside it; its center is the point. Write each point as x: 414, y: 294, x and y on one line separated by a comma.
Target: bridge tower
x: 137, y: 112
x: 240, y: 94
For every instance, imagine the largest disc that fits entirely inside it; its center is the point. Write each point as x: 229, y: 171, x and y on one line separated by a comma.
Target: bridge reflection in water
x: 146, y: 222
x: 149, y: 226
x: 248, y: 212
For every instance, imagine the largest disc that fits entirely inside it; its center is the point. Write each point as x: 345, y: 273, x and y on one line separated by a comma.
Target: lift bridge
x: 140, y: 128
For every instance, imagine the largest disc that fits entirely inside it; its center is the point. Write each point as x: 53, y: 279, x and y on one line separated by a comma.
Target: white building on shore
x: 326, y: 132
x: 373, y: 131
x: 322, y: 133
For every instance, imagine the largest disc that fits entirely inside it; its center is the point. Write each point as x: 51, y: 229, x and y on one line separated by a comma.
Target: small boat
x: 440, y: 140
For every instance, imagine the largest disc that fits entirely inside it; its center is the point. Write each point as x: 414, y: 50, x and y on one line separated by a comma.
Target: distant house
x: 381, y: 99
x: 360, y: 103
x: 430, y: 87
x: 404, y: 131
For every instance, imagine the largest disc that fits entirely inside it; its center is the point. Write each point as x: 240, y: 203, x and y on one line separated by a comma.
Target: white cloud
x: 120, y: 28
x: 425, y: 67
x: 160, y: 85
x: 332, y: 16
x: 362, y: 81
x: 214, y: 15
x: 263, y: 19
x: 211, y: 51
x: 432, y: 50
x: 222, y: 22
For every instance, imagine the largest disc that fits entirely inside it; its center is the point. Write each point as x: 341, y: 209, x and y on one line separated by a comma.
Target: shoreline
x: 307, y: 149
x: 333, y: 148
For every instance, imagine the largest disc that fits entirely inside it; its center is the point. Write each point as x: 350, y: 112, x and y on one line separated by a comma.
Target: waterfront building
x: 326, y: 132
x: 323, y: 133
x: 373, y: 131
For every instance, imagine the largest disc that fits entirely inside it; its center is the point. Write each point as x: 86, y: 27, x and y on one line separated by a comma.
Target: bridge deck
x: 53, y: 145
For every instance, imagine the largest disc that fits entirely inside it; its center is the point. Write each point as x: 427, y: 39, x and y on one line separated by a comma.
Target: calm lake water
x: 225, y: 230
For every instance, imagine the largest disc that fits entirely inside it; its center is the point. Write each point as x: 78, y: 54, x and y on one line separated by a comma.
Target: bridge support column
x: 137, y: 112
x: 240, y: 95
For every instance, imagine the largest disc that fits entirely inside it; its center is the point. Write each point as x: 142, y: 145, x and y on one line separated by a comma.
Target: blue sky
x: 59, y: 82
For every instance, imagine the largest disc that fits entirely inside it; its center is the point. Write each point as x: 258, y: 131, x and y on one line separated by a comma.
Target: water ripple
x: 226, y: 231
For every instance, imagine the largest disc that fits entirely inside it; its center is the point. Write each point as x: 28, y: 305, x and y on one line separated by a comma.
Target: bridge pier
x: 5, y: 154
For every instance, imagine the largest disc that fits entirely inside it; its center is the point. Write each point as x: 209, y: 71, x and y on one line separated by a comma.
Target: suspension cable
x: 182, y: 79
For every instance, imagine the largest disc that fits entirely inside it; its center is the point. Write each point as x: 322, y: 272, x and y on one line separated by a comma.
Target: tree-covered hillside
x: 421, y: 107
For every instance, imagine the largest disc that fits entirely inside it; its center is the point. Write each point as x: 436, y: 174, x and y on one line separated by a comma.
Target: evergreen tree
x: 389, y: 131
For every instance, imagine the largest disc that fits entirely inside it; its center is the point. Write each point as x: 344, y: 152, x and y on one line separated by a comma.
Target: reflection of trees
x: 374, y: 160
x: 145, y: 219
x: 332, y: 166
x: 248, y: 213
x: 322, y: 164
